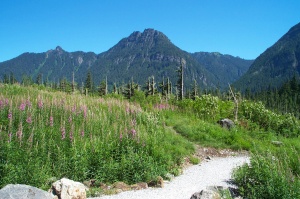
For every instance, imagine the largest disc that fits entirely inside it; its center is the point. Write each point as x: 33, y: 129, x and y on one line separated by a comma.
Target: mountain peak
x: 59, y: 49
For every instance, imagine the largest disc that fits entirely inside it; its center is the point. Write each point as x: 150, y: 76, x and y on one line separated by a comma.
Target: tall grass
x: 45, y: 135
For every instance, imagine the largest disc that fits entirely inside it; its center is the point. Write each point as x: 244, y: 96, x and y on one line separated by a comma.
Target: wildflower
x: 121, y: 136
x: 28, y: 103
x: 40, y: 104
x: 133, y: 132
x: 71, y: 136
x: 20, y: 132
x: 74, y: 108
x: 1, y: 104
x: 29, y: 120
x: 51, y: 120
x: 70, y: 119
x: 82, y: 133
x: 63, y: 133
x: 9, y: 137
x: 6, y: 102
x: 22, y: 106
x: 9, y: 116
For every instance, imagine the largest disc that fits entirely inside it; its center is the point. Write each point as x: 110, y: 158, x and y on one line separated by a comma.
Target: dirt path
x: 214, y: 172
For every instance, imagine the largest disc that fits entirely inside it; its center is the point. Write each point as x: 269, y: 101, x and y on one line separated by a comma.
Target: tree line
x: 164, y: 88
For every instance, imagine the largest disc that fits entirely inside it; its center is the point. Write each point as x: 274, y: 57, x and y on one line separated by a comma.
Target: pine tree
x: 130, y: 88
x: 39, y: 79
x: 88, y: 83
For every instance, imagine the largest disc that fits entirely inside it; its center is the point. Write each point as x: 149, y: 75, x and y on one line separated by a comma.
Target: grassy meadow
x: 46, y: 135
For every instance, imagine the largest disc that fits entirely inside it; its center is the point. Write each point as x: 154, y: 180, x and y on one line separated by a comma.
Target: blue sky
x: 243, y: 28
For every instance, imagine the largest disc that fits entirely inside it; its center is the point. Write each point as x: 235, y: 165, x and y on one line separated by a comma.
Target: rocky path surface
x: 215, y: 172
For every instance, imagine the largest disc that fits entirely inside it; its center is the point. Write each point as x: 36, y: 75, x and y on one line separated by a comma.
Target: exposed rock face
x: 18, y: 191
x: 226, y: 123
x: 68, y: 189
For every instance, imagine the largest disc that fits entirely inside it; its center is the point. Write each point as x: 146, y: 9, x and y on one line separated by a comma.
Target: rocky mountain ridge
x: 138, y: 56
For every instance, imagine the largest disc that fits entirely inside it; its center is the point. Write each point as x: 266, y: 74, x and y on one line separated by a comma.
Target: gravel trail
x: 215, y: 172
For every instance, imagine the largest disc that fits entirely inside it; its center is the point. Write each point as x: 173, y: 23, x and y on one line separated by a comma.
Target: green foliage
x: 207, y: 134
x: 286, y: 125
x: 208, y: 107
x: 270, y: 175
x: 46, y: 134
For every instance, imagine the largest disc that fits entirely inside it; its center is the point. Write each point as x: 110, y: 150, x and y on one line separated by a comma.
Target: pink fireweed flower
x: 9, y: 137
x: 19, y: 133
x: 40, y: 104
x: 63, y: 133
x: 70, y: 119
x: 133, y: 132
x: 22, y: 106
x: 82, y: 133
x: 29, y: 120
x: 51, y: 120
x: 1, y: 104
x: 28, y: 103
x: 9, y: 116
x: 71, y: 136
x: 6, y: 102
x: 74, y: 108
x: 121, y: 136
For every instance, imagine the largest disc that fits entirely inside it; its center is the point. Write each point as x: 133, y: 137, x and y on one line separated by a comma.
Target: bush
x: 270, y: 175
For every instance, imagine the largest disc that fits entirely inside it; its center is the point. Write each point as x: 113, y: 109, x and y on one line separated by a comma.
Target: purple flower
x: 9, y: 116
x: 40, y: 104
x: 121, y: 136
x: 22, y: 106
x: 29, y: 120
x: 74, y: 108
x: 9, y: 137
x: 71, y: 136
x: 82, y: 133
x: 70, y: 119
x: 63, y: 133
x: 133, y: 132
x: 28, y: 103
x: 51, y: 120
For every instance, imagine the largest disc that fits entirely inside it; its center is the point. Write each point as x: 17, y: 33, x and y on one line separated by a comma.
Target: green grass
x: 51, y: 134
x: 46, y: 134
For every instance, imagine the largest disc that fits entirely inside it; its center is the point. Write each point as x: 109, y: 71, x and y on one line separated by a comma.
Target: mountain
x: 276, y: 65
x: 138, y: 56
x: 226, y: 68
x: 53, y: 65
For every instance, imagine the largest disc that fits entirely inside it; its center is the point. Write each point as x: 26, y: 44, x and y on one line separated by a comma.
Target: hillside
x: 226, y: 68
x: 138, y: 56
x: 277, y: 64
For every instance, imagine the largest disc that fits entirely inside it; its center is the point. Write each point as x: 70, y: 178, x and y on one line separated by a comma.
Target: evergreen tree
x: 6, y: 79
x: 88, y: 83
x: 130, y: 88
x: 12, y: 78
x: 39, y: 79
x: 26, y: 80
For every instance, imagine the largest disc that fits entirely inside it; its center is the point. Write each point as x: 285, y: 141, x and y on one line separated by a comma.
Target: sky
x: 244, y: 28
